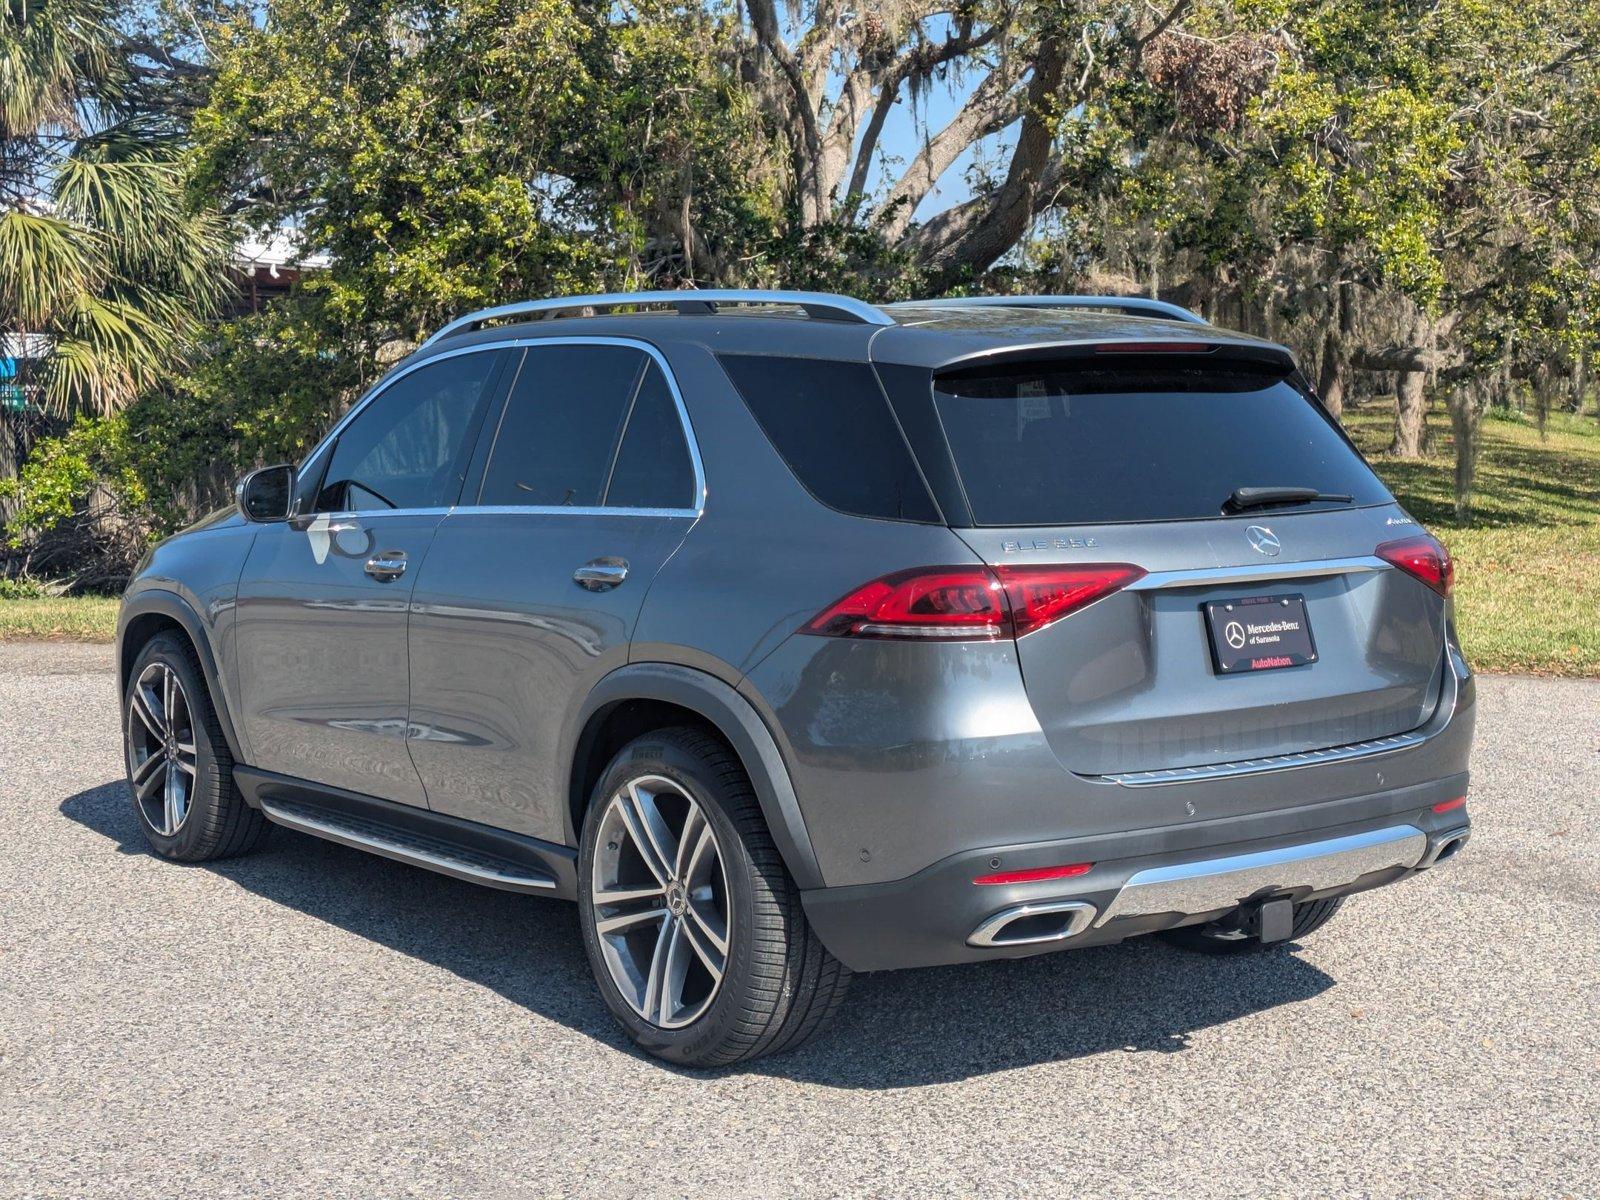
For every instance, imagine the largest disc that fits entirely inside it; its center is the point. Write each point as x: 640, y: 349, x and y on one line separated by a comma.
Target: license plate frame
x: 1259, y: 633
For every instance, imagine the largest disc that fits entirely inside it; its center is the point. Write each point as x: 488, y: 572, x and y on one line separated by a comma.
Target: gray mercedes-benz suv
x: 792, y: 636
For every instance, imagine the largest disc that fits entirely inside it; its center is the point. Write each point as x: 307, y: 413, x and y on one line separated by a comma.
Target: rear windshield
x: 1090, y: 445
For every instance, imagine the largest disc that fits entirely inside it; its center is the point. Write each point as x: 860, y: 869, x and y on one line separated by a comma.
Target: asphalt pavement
x: 312, y: 1021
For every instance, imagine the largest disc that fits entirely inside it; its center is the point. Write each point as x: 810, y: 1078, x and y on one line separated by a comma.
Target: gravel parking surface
x: 314, y: 1021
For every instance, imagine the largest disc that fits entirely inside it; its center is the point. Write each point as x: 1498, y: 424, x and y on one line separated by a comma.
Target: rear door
x: 324, y: 598
x: 532, y: 586
x: 1252, y: 633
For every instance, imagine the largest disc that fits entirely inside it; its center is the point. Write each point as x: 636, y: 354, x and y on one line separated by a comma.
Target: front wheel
x: 692, y: 925
x: 179, y: 768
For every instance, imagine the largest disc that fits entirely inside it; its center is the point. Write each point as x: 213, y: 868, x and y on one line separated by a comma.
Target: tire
x: 1218, y: 938
x: 778, y: 985
x: 214, y: 821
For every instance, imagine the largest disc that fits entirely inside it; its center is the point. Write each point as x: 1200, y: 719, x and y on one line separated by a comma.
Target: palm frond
x: 106, y: 353
x: 47, y: 52
x: 46, y: 264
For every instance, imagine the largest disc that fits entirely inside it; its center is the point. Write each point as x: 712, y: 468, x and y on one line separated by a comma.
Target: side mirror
x: 265, y: 495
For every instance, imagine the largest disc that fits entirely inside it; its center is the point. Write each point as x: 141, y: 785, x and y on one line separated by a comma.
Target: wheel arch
x: 154, y: 611
x: 644, y: 696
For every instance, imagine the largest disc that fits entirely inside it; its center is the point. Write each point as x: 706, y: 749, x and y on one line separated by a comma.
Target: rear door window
x: 560, y: 426
x: 1092, y: 445
x: 831, y: 425
x: 653, y: 468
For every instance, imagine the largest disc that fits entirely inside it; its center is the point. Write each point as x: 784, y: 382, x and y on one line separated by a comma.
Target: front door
x: 324, y: 598
x: 531, y: 590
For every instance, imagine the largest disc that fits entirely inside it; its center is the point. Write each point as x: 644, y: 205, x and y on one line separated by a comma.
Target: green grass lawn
x: 59, y: 618
x: 1528, y: 564
x: 1527, y: 567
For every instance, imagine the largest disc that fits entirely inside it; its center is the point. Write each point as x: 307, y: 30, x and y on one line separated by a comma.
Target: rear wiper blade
x: 1264, y: 497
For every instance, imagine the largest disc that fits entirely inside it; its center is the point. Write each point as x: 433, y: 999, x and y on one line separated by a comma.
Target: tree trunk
x: 1410, y: 415
x: 1467, y: 406
x: 1543, y: 386
x: 1411, y: 397
x: 1333, y: 380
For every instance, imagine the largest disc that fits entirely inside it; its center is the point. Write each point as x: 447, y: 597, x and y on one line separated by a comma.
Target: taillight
x: 1424, y: 558
x: 969, y: 603
x: 933, y: 602
x: 1040, y: 595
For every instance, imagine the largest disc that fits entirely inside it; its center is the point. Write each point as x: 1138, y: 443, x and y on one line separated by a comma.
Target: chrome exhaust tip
x: 1034, y: 924
x: 1445, y: 846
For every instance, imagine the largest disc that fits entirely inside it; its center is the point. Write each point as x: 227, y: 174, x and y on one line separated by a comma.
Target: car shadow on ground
x: 896, y: 1029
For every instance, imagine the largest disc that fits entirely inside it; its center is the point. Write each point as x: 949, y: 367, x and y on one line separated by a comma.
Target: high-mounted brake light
x: 1424, y: 558
x: 1036, y: 874
x: 969, y: 603
x: 1154, y: 348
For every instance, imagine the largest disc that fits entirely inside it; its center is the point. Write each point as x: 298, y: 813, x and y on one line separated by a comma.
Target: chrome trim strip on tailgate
x: 1276, y: 762
x: 1259, y: 572
x: 1218, y: 883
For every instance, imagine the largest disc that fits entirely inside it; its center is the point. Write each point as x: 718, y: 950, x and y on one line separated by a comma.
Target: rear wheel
x: 692, y: 925
x: 179, y: 768
x: 1225, y: 936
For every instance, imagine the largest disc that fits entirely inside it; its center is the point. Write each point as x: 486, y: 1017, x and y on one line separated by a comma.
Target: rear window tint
x: 653, y: 468
x: 831, y: 424
x: 1080, y: 446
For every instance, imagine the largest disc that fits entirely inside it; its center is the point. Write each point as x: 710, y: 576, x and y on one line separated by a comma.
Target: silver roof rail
x: 1135, y: 306
x: 820, y: 305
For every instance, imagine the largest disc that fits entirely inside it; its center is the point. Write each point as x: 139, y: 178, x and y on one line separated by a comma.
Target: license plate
x: 1259, y: 633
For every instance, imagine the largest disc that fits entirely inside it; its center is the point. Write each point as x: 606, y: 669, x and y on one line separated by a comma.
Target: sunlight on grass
x: 1528, y: 565
x: 59, y: 618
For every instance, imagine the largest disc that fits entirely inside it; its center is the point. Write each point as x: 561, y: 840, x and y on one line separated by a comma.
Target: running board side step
x: 407, y: 848
x: 434, y: 841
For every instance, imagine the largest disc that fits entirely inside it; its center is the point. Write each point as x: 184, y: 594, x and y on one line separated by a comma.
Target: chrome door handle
x: 601, y: 574
x: 386, y: 566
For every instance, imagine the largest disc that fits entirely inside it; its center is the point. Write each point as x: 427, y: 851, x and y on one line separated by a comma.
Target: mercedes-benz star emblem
x: 1264, y: 540
x: 1235, y: 635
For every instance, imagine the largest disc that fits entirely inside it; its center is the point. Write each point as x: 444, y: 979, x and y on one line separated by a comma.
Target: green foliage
x: 483, y: 150
x: 414, y: 144
x: 259, y: 390
x: 22, y: 589
x: 64, y: 474
x: 100, y: 251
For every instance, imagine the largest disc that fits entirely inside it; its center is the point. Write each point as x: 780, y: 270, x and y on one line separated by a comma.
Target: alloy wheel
x: 161, y: 748
x: 659, y: 894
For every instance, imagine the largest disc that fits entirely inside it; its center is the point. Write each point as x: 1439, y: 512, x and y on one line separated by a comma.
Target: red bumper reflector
x: 1448, y: 805
x: 1036, y: 874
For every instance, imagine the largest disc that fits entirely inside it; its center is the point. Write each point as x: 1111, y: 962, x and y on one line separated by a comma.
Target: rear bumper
x: 1141, y: 881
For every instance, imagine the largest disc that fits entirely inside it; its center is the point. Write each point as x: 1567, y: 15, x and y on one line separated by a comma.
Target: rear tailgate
x: 1132, y: 463
x: 1131, y: 683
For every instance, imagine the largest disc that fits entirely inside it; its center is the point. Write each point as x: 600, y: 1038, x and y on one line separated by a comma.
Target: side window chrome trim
x: 574, y: 510
x: 388, y: 381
